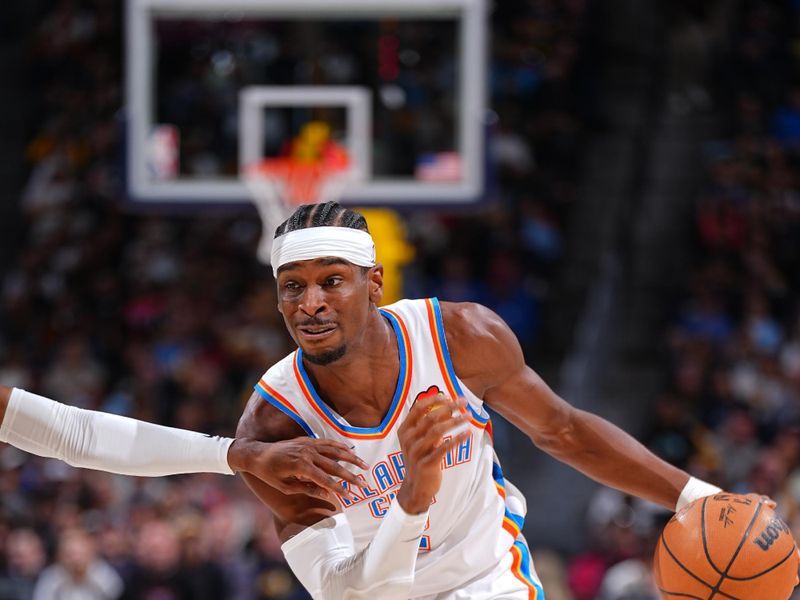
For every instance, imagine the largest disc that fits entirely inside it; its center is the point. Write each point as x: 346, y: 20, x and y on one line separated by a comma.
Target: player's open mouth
x: 316, y: 333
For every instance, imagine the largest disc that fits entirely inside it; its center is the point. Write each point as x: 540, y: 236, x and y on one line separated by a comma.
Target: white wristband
x: 106, y: 442
x: 694, y: 490
x: 324, y: 560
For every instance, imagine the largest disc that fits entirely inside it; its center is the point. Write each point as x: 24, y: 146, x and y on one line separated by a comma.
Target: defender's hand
x: 422, y: 441
x: 297, y: 466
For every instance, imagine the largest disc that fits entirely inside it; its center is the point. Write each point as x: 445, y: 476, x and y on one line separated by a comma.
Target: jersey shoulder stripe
x: 282, y: 404
x: 445, y: 363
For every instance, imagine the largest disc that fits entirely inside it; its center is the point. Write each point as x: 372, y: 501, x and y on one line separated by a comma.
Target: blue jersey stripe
x: 525, y: 568
x: 451, y: 372
x: 518, y: 520
x: 497, y: 474
x: 285, y: 410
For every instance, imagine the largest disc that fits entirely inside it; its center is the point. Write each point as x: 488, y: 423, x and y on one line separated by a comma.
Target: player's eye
x: 291, y: 286
x: 333, y: 281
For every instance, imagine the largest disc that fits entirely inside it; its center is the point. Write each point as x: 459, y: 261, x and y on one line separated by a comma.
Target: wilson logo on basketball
x: 771, y: 533
x: 725, y: 515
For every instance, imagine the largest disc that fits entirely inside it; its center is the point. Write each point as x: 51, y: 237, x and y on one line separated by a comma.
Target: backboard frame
x: 472, y: 55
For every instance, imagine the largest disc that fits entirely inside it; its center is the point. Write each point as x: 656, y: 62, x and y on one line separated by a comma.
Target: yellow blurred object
x: 393, y: 250
x: 316, y: 132
x: 310, y: 143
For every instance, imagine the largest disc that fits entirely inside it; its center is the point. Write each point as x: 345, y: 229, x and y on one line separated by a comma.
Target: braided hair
x: 324, y: 214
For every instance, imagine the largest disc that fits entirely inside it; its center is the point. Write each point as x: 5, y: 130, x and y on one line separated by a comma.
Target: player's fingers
x: 312, y: 473
x: 452, y: 425
x: 455, y: 441
x: 334, y: 469
x: 445, y: 446
x: 424, y: 407
x: 439, y: 413
x: 437, y: 444
x: 421, y: 415
x: 769, y: 502
x: 340, y: 452
x: 307, y: 488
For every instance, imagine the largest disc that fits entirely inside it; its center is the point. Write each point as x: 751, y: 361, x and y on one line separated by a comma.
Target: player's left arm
x: 487, y: 357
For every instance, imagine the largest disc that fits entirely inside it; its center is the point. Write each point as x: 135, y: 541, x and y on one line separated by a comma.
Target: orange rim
x: 301, y: 179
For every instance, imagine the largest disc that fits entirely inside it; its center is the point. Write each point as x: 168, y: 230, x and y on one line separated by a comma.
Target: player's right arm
x: 317, y: 539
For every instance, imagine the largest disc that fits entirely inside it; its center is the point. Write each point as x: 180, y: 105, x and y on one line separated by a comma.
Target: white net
x: 277, y: 192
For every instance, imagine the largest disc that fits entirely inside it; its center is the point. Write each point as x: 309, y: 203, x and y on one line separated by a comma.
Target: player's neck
x: 360, y: 385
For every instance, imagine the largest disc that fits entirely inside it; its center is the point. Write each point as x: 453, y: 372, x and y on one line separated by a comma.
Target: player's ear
x: 375, y: 277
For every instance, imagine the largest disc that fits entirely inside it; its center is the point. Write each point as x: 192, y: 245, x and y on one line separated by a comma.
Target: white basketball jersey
x: 476, y: 516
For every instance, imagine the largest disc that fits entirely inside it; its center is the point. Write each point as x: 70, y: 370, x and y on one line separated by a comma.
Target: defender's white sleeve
x: 96, y: 440
x: 323, y: 558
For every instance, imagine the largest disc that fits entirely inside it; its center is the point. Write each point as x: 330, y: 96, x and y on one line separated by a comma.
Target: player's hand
x: 769, y: 502
x: 422, y: 439
x: 298, y: 466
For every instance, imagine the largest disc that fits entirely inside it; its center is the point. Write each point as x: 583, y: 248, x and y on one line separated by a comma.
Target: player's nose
x: 313, y: 301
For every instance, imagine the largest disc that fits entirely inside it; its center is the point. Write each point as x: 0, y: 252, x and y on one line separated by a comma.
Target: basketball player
x: 405, y: 386
x: 397, y: 394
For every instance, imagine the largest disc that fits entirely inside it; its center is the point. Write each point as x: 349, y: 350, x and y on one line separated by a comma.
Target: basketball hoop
x: 279, y: 185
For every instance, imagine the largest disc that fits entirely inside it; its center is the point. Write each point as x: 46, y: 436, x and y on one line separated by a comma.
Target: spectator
x: 25, y: 559
x: 157, y: 573
x: 273, y: 580
x: 78, y: 574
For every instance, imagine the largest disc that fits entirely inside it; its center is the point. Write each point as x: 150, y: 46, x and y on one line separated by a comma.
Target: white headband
x: 353, y: 245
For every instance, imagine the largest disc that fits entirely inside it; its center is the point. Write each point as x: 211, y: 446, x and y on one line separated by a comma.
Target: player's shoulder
x: 467, y: 325
x: 470, y: 321
x: 453, y: 313
x: 481, y: 345
x: 260, y: 419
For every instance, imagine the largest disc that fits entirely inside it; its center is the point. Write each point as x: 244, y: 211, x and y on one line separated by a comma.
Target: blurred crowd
x: 730, y: 413
x: 733, y: 414
x: 170, y: 318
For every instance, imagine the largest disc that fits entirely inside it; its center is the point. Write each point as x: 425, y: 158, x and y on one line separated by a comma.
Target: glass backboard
x: 416, y: 69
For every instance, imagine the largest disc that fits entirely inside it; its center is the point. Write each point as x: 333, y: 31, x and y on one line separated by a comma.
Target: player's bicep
x: 262, y: 421
x: 526, y: 401
x: 489, y: 359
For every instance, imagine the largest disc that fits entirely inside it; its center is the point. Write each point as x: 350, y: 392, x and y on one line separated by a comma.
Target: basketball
x: 727, y: 546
